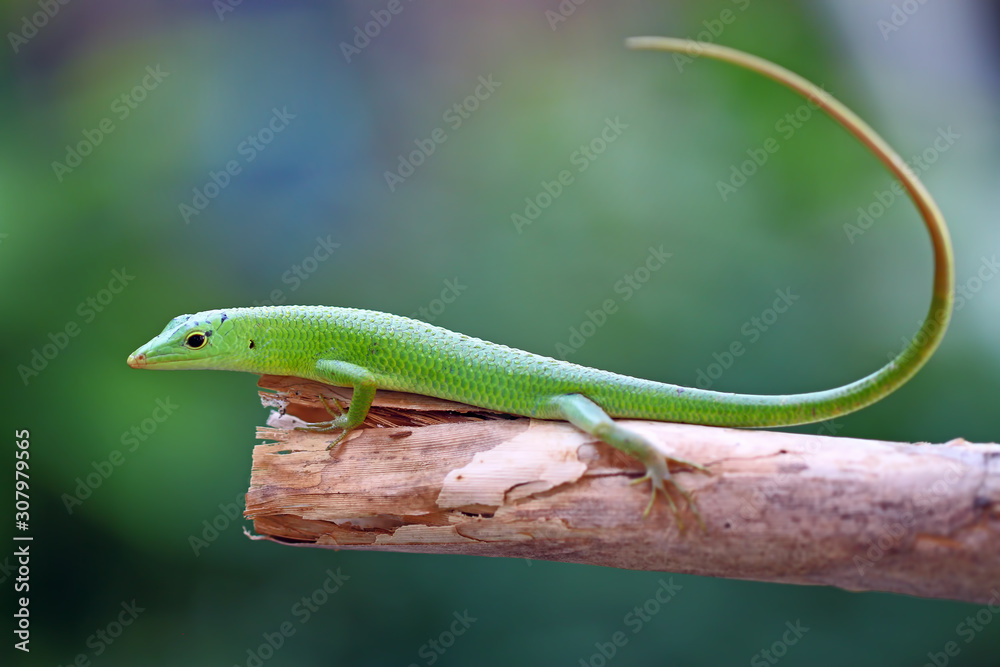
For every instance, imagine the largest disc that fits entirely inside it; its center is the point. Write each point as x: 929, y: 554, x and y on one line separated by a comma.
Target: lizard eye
x: 195, y: 340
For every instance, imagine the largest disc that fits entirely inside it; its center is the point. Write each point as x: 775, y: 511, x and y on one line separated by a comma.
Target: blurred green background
x: 144, y: 106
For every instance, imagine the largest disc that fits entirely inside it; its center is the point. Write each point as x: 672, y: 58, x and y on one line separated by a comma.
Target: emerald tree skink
x: 369, y: 350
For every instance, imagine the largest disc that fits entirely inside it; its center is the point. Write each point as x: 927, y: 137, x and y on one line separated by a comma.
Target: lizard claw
x: 317, y: 427
x: 338, y: 422
x: 658, y: 475
x: 321, y: 427
x: 336, y: 441
x: 334, y: 412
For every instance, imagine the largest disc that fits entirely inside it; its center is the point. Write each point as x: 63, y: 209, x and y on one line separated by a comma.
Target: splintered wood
x: 430, y: 476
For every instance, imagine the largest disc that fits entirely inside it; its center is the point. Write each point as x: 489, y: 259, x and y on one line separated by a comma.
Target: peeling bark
x: 430, y: 476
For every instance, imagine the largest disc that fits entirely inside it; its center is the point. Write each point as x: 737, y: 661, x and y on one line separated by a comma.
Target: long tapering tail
x: 730, y: 409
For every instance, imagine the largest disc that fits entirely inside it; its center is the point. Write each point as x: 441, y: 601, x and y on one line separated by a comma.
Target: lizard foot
x: 658, y: 475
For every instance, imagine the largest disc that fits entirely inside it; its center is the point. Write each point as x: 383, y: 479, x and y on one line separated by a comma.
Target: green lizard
x: 369, y: 350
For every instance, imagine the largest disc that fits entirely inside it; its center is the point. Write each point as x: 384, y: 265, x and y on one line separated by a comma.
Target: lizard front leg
x: 343, y: 374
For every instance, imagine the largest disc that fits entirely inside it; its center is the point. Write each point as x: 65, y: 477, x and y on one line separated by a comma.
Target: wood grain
x: 431, y: 476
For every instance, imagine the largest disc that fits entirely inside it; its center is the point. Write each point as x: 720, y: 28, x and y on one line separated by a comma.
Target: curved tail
x: 708, y: 407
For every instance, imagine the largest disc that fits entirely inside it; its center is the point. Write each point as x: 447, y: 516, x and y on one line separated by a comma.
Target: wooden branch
x: 436, y: 477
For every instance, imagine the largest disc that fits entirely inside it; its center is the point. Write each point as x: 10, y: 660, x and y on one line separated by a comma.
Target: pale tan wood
x: 431, y: 476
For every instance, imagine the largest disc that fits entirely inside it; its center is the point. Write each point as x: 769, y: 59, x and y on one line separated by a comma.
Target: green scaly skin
x: 370, y: 350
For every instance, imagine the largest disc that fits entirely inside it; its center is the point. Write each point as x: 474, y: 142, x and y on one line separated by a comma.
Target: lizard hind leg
x: 586, y: 415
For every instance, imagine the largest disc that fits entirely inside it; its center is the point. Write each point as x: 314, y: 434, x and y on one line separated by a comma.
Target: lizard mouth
x: 157, y: 358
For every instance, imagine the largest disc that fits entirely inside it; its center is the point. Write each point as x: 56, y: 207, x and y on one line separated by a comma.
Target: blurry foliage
x: 323, y: 178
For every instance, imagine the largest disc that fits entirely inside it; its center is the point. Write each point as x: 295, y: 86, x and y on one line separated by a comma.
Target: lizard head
x: 196, y: 341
